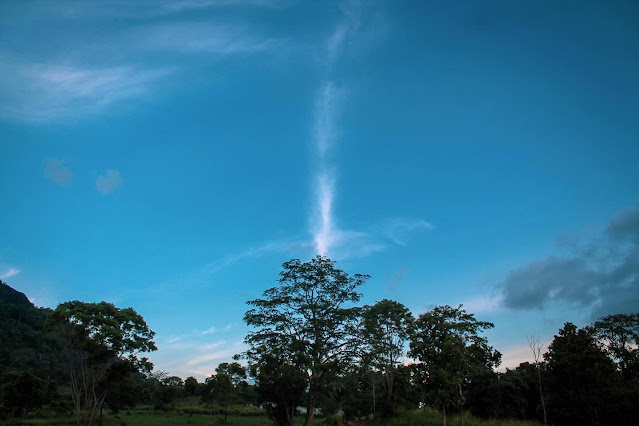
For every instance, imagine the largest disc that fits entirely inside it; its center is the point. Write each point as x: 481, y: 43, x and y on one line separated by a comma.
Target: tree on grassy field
x: 20, y: 392
x: 308, y: 314
x: 386, y: 328
x: 280, y: 384
x: 97, y: 337
x: 225, y: 384
x: 447, y: 344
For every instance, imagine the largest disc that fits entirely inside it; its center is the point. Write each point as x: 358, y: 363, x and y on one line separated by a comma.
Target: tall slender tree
x: 386, y: 327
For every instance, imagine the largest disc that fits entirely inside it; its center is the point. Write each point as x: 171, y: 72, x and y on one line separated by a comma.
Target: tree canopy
x: 308, y: 315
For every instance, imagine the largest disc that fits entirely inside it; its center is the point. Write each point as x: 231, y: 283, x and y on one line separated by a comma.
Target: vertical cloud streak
x: 324, y: 230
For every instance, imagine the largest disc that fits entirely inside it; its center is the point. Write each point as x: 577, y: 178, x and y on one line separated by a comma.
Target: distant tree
x: 190, y: 385
x: 386, y: 327
x: 281, y: 385
x: 224, y: 385
x: 96, y: 336
x: 21, y: 392
x: 581, y: 379
x: 446, y: 341
x: 307, y: 317
x: 618, y: 335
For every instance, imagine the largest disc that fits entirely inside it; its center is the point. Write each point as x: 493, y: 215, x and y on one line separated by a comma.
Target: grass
x: 431, y: 417
x: 182, y: 414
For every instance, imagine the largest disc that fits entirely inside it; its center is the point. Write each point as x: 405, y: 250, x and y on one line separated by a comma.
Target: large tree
x: 581, y: 379
x: 97, y: 338
x: 386, y: 327
x: 447, y: 344
x: 308, y: 315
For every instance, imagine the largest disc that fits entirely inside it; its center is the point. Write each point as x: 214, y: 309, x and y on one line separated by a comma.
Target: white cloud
x: 45, y: 92
x: 108, y: 182
x: 56, y: 171
x: 325, y: 234
x: 10, y: 272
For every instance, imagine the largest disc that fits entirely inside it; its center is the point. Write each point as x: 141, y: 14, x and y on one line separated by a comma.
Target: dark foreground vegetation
x: 314, y: 356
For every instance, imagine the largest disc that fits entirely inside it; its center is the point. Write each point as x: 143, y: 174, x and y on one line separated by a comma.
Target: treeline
x: 311, y: 345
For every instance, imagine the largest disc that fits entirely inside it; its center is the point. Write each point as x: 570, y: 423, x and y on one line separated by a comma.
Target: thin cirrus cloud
x: 56, y: 171
x: 10, y: 272
x: 50, y: 92
x: 217, y: 330
x: 602, y: 276
x: 204, y: 37
x: 108, y: 182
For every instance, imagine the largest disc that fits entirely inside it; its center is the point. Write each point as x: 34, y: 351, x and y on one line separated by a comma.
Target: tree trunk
x: 444, y: 413
x: 541, y: 395
x: 310, y: 406
x: 461, y: 396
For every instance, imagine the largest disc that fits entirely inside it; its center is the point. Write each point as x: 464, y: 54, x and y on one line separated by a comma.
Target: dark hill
x: 25, y: 345
x: 11, y: 296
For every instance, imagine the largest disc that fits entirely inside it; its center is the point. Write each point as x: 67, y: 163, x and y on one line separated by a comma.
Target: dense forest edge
x: 314, y: 356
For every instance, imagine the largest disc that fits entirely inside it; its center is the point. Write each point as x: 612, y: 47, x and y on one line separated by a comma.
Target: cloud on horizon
x: 602, y: 276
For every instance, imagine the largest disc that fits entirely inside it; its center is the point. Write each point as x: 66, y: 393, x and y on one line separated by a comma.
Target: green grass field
x: 182, y: 416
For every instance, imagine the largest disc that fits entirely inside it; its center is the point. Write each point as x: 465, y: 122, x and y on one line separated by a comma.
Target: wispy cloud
x: 195, y: 355
x: 45, y: 92
x: 56, y: 171
x: 348, y: 244
x: 217, y: 330
x: 351, y: 14
x: 325, y: 114
x: 324, y: 230
x: 211, y: 37
x: 328, y: 237
x: 10, y: 272
x: 292, y: 245
x: 185, y: 5
x: 108, y: 182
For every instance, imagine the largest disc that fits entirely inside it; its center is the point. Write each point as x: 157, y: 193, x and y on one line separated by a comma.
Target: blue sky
x: 170, y: 156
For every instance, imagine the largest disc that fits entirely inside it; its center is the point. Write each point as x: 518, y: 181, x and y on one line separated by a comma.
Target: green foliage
x: 386, y: 327
x: 100, y: 342
x: 450, y: 351
x: 581, y: 378
x: 305, y: 321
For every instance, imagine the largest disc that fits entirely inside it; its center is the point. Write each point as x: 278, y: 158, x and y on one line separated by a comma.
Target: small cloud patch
x: 108, y: 182
x: 56, y: 171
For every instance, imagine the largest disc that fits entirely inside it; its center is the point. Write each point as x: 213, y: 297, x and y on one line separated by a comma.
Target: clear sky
x: 171, y: 155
